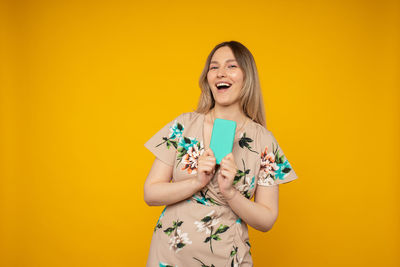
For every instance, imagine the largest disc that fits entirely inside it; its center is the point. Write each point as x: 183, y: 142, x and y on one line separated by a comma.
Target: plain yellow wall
x: 84, y: 84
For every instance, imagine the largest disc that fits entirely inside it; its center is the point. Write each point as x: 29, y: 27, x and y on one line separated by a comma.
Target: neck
x: 231, y: 112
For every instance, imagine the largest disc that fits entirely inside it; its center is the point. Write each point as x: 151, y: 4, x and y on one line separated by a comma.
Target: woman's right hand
x: 205, y: 167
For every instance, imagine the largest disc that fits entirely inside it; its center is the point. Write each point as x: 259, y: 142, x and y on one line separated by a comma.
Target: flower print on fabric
x: 190, y: 155
x: 162, y: 264
x: 201, y: 198
x: 174, y: 136
x: 248, y: 243
x: 159, y: 223
x: 179, y: 239
x: 235, y: 259
x: 247, y: 185
x: 240, y: 174
x: 189, y: 149
x: 273, y: 166
x: 208, y: 224
x: 244, y: 142
x: 203, y: 264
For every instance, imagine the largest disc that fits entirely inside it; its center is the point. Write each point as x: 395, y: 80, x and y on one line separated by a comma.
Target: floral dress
x: 203, y: 230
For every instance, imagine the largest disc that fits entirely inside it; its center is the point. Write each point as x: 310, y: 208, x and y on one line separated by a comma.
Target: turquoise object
x: 222, y: 137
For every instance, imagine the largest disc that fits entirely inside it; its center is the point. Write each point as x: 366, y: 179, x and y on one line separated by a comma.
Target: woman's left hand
x: 226, y: 174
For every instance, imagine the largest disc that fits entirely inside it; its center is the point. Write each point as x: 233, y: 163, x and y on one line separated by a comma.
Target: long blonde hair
x: 251, y: 100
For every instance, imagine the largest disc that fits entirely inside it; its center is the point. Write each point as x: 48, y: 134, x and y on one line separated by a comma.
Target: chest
x: 207, y: 135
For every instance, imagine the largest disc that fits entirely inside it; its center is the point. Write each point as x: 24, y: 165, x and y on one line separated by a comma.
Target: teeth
x: 220, y: 84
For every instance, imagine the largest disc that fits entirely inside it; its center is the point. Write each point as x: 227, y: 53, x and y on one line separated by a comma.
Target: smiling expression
x: 225, y: 77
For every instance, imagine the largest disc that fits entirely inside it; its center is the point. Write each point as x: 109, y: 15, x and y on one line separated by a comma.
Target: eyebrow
x: 226, y: 61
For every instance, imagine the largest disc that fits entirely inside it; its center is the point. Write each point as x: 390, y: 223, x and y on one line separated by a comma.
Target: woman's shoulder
x: 192, y: 116
x: 188, y: 117
x: 259, y: 129
x: 260, y: 134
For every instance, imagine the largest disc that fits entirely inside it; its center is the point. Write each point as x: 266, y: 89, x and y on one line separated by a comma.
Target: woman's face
x: 225, y: 68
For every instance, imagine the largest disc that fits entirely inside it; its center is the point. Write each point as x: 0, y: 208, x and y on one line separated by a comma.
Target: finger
x: 230, y: 168
x: 212, y: 161
x: 229, y: 165
x: 207, y: 158
x: 225, y: 174
x: 228, y: 157
x: 210, y: 158
x: 209, y: 152
x: 229, y: 172
x: 209, y: 165
x: 228, y: 162
x: 206, y: 169
x: 222, y: 173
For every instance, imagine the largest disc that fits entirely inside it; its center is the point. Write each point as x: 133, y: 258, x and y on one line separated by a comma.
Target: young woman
x: 208, y: 206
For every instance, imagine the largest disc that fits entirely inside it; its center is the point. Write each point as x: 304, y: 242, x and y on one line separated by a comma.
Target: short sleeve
x: 163, y: 144
x: 274, y: 166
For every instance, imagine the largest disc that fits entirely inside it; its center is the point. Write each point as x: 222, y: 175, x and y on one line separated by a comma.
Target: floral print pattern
x: 159, y: 223
x: 162, y: 264
x: 247, y: 186
x: 207, y: 224
x: 201, y: 198
x: 248, y: 243
x: 174, y: 136
x: 189, y: 149
x: 203, y: 264
x: 179, y: 239
x: 191, y: 156
x: 216, y: 237
x: 235, y: 260
x: 244, y: 142
x: 273, y: 166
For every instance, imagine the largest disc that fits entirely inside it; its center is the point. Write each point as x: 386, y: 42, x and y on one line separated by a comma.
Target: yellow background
x: 84, y: 84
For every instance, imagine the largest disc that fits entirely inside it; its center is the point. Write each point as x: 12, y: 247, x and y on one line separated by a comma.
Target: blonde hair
x: 251, y: 100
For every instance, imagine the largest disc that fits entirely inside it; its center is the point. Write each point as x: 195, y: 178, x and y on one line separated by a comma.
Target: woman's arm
x: 260, y: 214
x: 158, y: 191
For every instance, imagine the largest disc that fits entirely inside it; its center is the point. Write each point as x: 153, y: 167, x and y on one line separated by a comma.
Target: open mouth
x: 221, y: 86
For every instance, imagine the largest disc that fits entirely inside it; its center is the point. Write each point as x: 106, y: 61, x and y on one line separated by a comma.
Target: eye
x: 212, y: 68
x: 232, y: 65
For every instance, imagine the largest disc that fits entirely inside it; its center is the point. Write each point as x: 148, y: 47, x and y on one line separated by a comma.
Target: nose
x: 221, y: 72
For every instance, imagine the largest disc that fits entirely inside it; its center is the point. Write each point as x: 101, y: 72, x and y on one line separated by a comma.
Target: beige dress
x: 202, y: 230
